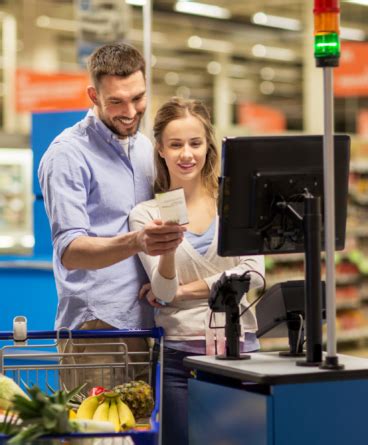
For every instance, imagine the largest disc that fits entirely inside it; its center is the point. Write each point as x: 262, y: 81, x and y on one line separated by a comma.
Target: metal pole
x: 329, y: 210
x: 147, y: 51
x: 9, y: 51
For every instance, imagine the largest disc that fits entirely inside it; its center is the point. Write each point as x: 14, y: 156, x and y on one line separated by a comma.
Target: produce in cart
x: 8, y: 389
x: 138, y: 395
x: 40, y: 414
x: 107, y: 406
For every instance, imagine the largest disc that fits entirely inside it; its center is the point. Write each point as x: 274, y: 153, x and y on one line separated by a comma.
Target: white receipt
x: 172, y: 206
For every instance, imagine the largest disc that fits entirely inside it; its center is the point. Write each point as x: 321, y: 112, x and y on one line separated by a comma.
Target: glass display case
x: 16, y: 226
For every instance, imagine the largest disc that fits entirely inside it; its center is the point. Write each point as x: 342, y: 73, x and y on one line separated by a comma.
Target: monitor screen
x: 262, y: 184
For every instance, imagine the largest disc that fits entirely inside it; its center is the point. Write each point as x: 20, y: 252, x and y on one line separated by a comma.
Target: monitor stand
x: 313, y: 286
x: 296, y: 337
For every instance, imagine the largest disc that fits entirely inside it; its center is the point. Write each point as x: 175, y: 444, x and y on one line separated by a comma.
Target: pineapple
x: 39, y: 414
x: 137, y: 394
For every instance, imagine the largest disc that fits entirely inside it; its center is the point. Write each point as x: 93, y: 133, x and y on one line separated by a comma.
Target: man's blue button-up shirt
x: 89, y: 186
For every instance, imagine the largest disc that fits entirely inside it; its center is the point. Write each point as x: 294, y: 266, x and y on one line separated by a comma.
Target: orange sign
x: 351, y: 77
x: 261, y: 118
x: 59, y: 91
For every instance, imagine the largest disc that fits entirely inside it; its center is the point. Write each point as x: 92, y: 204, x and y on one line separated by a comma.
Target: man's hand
x: 159, y: 238
x: 146, y: 292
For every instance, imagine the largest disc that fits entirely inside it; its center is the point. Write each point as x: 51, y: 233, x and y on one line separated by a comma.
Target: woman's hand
x: 146, y: 292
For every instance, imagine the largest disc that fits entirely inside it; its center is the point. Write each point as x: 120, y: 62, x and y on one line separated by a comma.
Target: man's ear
x: 92, y: 94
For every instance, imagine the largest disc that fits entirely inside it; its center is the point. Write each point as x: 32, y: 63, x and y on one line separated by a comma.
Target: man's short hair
x: 115, y: 59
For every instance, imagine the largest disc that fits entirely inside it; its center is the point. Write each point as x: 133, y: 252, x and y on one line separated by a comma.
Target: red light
x: 326, y: 6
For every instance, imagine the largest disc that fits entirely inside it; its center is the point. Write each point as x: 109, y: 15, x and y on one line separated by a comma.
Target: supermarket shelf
x: 359, y: 198
x: 349, y: 335
x: 359, y: 166
x: 358, y: 231
x: 287, y: 258
x: 353, y: 304
x: 346, y: 336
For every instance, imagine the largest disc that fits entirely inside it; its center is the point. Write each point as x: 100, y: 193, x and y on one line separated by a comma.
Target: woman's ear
x: 159, y: 151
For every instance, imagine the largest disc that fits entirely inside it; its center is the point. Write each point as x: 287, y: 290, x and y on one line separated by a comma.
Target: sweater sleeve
x: 246, y: 263
x: 163, y: 288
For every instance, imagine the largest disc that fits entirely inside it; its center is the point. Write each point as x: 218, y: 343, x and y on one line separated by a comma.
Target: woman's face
x: 184, y: 148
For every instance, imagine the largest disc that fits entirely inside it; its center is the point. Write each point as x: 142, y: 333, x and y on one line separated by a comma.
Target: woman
x: 186, y: 156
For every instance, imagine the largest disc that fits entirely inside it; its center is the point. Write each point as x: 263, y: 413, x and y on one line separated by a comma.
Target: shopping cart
x: 38, y: 361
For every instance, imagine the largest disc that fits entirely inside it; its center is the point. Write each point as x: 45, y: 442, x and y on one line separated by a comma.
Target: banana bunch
x: 107, y: 407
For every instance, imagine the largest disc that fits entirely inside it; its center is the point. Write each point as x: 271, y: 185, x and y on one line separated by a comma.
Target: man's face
x: 120, y: 102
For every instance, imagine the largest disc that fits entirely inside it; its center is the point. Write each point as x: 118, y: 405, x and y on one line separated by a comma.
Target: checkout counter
x: 270, y: 193
x: 268, y: 400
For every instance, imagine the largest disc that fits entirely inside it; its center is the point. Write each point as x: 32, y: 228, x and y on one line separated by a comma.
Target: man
x: 91, y: 176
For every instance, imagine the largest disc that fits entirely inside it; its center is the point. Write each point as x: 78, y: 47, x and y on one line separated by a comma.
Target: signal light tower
x: 326, y: 32
x: 327, y: 55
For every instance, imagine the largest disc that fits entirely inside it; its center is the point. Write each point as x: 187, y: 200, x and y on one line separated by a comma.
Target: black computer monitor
x: 271, y: 198
x: 261, y: 173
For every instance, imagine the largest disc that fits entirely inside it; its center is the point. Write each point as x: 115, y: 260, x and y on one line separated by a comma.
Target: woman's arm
x: 160, y: 270
x: 246, y: 263
x: 200, y: 289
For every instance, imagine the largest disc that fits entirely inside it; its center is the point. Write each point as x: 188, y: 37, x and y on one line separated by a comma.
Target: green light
x: 327, y: 45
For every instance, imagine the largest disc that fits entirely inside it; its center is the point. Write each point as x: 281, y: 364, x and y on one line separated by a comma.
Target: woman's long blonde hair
x: 178, y: 108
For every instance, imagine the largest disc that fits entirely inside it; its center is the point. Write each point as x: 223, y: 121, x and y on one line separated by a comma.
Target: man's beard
x: 117, y: 127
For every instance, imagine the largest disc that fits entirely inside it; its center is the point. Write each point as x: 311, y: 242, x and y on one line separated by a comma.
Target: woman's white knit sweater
x: 186, y: 320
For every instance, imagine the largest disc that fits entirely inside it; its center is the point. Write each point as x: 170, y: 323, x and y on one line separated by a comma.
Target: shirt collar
x: 105, y: 131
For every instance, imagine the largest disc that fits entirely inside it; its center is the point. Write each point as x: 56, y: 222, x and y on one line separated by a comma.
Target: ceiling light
x: 352, y: 34
x: 135, y: 2
x: 27, y: 241
x: 358, y: 2
x: 259, y: 50
x: 44, y: 21
x: 6, y: 242
x: 183, y: 91
x: 274, y: 21
x: 218, y: 46
x: 195, y: 8
x: 172, y: 78
x: 267, y: 73
x: 236, y: 70
x: 194, y: 42
x: 271, y: 52
x: 214, y: 68
x: 267, y: 87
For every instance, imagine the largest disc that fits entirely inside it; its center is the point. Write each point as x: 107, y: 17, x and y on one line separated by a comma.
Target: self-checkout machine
x: 274, y: 399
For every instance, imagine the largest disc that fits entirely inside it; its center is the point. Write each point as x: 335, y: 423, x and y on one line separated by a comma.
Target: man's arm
x: 155, y: 238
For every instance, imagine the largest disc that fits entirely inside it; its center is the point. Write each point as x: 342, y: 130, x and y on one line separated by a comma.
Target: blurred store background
x: 251, y: 62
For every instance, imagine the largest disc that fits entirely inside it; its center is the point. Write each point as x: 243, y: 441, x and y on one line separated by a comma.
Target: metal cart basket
x: 41, y: 360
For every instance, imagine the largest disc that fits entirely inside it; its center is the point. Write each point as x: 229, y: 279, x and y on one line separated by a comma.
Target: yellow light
x: 326, y: 22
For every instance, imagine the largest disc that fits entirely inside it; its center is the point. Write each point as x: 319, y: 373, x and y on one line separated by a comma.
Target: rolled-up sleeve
x: 64, y: 181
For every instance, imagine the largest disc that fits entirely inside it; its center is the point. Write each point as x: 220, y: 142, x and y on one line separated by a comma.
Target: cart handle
x: 98, y: 333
